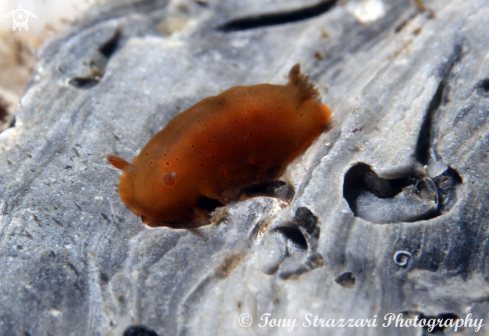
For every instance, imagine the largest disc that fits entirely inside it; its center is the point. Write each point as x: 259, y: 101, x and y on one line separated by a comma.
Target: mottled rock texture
x: 368, y: 232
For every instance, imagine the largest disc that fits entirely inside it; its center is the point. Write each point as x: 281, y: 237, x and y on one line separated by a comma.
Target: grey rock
x: 407, y: 88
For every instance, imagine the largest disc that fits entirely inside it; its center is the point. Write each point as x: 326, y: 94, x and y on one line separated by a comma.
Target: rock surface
x: 369, y: 230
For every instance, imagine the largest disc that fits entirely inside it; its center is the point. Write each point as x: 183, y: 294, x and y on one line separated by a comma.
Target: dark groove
x: 401, y: 26
x: 361, y: 176
x: 484, y: 85
x: 109, y: 48
x: 139, y: 331
x: 424, y: 139
x: 274, y: 19
x: 83, y: 83
x: 104, y: 277
x: 3, y: 113
x: 98, y: 68
x: 361, y: 180
x: 295, y: 235
x: 424, y: 142
x: 346, y: 279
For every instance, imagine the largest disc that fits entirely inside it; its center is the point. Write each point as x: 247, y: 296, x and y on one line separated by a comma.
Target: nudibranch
x: 243, y: 136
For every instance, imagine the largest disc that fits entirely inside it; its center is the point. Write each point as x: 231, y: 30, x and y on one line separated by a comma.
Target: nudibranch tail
x: 120, y: 163
x: 306, y: 89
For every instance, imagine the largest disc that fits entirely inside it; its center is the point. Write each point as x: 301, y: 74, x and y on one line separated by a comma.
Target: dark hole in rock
x: 97, y: 63
x: 109, y: 48
x: 361, y: 177
x: 484, y: 85
x: 296, y: 238
x: 401, y: 26
x: 3, y: 112
x: 440, y: 98
x: 301, y: 247
x: 104, y: 277
x: 305, y: 218
x: 7, y: 120
x: 83, y: 83
x: 406, y: 199
x: 273, y: 19
x: 292, y: 271
x: 346, y: 279
x: 208, y: 204
x: 139, y: 331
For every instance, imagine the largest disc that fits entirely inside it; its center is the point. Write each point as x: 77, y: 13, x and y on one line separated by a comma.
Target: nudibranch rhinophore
x: 243, y: 136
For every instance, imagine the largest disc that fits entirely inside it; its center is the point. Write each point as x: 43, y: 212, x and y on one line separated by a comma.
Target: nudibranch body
x: 243, y: 136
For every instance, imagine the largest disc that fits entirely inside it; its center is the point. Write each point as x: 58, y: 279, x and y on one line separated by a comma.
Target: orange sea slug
x: 243, y: 136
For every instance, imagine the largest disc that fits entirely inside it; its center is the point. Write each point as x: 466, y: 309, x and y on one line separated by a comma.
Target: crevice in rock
x: 484, y: 85
x: 399, y: 27
x: 409, y: 198
x: 424, y: 143
x: 83, y: 83
x: 139, y: 331
x: 424, y: 138
x: 7, y: 120
x: 109, y: 48
x: 3, y: 112
x: 406, y: 199
x: 346, y: 279
x: 97, y: 64
x: 104, y: 277
x: 301, y: 239
x: 274, y: 19
x: 295, y: 236
x: 361, y: 176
